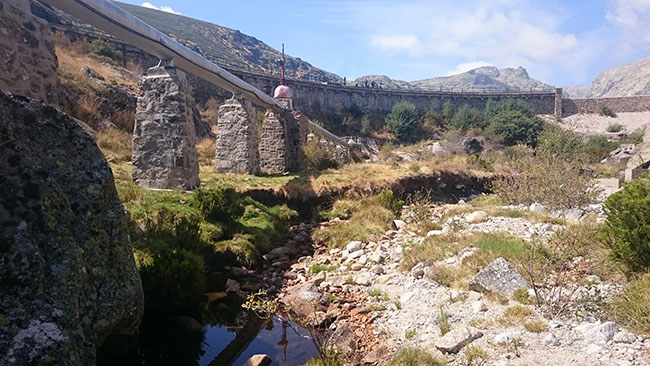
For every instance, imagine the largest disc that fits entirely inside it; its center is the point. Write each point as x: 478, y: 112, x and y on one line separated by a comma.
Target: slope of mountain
x: 625, y: 80
x: 382, y: 80
x: 488, y: 77
x: 222, y: 45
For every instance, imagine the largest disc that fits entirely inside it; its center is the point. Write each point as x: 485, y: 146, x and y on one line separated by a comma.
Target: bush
x: 598, y: 147
x: 614, y: 127
x: 605, y: 111
x: 552, y: 181
x: 316, y: 157
x: 631, y: 308
x: 105, y: 52
x: 467, y: 118
x: 627, y: 225
x: 492, y: 108
x: 555, y: 141
x: 221, y: 204
x: 173, y: 282
x: 402, y: 120
x: 514, y: 127
x: 388, y: 201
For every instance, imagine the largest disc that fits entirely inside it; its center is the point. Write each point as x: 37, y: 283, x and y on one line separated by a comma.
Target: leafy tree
x: 492, y: 108
x: 402, y: 120
x: 514, y: 127
x: 467, y: 118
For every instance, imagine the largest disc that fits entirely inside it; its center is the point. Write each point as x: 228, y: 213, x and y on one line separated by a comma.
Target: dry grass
x: 205, y: 148
x: 514, y: 315
x: 116, y: 145
x: 535, y: 326
x: 631, y: 308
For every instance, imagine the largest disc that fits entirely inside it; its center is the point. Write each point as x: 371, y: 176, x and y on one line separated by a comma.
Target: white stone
x: 476, y: 217
x: 624, y: 337
x: 537, y: 207
x: 355, y: 254
x: 353, y: 246
x: 457, y: 338
x: 398, y: 224
x: 602, y: 333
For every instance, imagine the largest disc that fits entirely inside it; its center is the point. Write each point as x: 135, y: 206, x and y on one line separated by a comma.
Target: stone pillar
x: 237, y: 138
x: 164, y: 151
x: 27, y: 60
x: 273, y: 145
x: 558, y: 104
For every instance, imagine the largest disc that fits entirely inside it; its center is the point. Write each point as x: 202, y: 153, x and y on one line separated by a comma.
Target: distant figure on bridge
x: 344, y: 81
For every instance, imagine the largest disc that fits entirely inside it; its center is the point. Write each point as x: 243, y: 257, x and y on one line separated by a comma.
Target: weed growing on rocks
x: 475, y: 356
x: 443, y: 322
x: 415, y: 357
x: 514, y: 315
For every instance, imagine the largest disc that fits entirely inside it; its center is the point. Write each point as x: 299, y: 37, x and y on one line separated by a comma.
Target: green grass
x: 318, y: 268
x: 415, y: 357
x: 514, y: 315
x: 631, y: 308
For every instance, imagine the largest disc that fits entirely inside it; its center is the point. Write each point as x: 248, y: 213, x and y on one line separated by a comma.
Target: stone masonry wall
x: 27, y: 60
x: 591, y: 105
x: 237, y: 138
x: 273, y: 149
x: 164, y: 152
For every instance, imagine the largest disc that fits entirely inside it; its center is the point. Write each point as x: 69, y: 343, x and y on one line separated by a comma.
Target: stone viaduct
x: 164, y: 153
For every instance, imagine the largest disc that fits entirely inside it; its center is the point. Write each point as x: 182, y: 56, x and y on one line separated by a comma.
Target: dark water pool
x: 287, y: 345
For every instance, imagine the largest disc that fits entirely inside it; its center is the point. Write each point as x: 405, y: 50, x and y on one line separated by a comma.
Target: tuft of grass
x: 522, y: 297
x: 443, y: 322
x: 475, y: 356
x: 416, y: 357
x: 535, y: 326
x: 318, y: 268
x: 605, y: 111
x: 328, y: 357
x: 409, y: 334
x: 514, y: 315
x: 398, y: 305
x: 614, y: 127
x: 631, y: 308
x: 481, y: 323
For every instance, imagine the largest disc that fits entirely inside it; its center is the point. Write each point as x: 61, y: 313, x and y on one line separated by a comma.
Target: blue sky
x: 559, y: 42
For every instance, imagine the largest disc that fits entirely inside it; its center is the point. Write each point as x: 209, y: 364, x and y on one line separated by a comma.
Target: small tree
x: 627, y: 225
x: 515, y: 127
x: 402, y: 120
x: 467, y: 118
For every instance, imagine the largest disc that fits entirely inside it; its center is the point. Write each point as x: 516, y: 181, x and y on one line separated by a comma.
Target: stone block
x: 237, y: 148
x: 164, y: 140
x: 499, y: 276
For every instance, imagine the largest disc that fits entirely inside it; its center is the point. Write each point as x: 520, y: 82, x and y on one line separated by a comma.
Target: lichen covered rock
x: 66, y: 266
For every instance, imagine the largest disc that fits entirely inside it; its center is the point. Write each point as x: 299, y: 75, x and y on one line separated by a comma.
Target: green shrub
x: 316, y: 157
x: 598, y: 147
x: 627, y: 225
x: 328, y: 357
x: 605, y: 111
x: 389, y: 202
x: 614, y: 127
x: 555, y: 141
x: 167, y: 228
x: 631, y: 308
x: 105, y: 52
x: 220, y: 204
x: 514, y: 127
x: 402, y: 121
x: 173, y: 281
x: 467, y: 118
x: 492, y: 108
x: 415, y: 357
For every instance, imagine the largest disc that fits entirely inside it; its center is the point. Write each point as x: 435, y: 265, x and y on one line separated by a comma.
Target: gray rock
x: 472, y: 145
x: 456, y: 339
x: 398, y: 224
x: 353, y: 246
x: 601, y: 333
x: 66, y: 263
x: 90, y: 73
x: 551, y: 340
x: 237, y: 148
x: 507, y: 337
x: 355, y: 255
x: 500, y: 277
x: 574, y: 214
x: 624, y: 337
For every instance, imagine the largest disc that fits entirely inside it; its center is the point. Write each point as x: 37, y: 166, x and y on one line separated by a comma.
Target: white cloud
x: 164, y: 8
x: 632, y: 17
x: 467, y: 66
x: 407, y: 42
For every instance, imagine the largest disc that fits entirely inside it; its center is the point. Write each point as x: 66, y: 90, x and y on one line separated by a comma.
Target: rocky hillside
x: 488, y: 77
x: 485, y: 77
x: 620, y: 81
x: 222, y: 45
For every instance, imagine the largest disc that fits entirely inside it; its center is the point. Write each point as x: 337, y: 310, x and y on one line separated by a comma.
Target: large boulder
x: 68, y: 275
x: 500, y: 277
